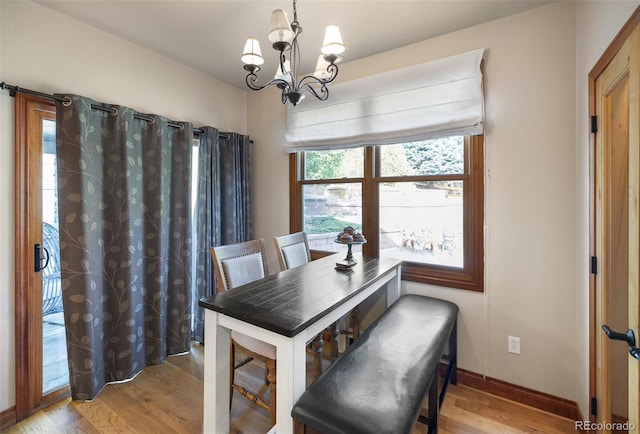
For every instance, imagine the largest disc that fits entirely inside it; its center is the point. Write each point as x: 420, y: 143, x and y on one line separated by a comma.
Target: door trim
x: 602, y: 63
x: 27, y: 217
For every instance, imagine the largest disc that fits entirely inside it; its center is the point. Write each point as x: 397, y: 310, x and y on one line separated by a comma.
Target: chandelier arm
x: 332, y: 69
x: 282, y: 59
x: 252, y: 78
x: 324, y: 90
x: 309, y: 80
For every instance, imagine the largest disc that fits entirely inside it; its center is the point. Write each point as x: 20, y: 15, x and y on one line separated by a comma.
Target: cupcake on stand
x: 349, y: 236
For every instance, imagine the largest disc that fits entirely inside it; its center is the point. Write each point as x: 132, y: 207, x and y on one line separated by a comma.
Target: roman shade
x: 429, y: 100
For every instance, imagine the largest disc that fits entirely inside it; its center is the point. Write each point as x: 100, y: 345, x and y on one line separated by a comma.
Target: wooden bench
x: 378, y: 384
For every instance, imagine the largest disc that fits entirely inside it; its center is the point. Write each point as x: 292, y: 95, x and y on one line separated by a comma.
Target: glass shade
x: 321, y: 68
x: 252, y: 55
x: 280, y: 27
x: 332, y: 41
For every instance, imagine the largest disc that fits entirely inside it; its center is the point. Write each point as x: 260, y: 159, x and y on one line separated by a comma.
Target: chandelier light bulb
x: 252, y: 55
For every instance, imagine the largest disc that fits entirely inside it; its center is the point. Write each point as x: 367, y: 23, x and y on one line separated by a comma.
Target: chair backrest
x: 239, y: 264
x: 293, y: 250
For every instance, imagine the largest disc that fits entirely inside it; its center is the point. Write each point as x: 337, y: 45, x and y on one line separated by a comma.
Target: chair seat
x: 254, y: 345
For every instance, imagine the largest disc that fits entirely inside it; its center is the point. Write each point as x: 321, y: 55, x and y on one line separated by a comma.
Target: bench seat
x: 379, y: 383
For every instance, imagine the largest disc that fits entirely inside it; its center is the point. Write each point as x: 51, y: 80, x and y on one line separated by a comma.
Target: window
x: 421, y: 202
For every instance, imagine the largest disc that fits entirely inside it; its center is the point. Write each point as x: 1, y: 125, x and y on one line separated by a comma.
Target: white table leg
x: 393, y: 288
x: 216, y: 375
x: 291, y: 378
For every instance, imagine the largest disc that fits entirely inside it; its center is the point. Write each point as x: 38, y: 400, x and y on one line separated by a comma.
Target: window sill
x: 441, y: 277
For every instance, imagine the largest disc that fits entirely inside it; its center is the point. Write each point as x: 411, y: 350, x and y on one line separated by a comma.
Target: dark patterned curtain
x: 224, y: 206
x: 125, y: 234
x: 207, y: 216
x: 235, y: 204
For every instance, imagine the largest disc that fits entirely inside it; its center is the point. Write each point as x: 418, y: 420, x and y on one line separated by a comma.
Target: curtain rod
x: 13, y: 90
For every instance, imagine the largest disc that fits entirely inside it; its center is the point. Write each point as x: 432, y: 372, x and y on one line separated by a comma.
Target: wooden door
x: 31, y: 114
x: 616, y: 107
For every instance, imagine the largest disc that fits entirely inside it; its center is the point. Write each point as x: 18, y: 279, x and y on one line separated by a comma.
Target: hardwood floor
x: 168, y: 399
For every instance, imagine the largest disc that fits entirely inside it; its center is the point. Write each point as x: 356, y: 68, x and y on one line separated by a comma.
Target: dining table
x: 287, y: 310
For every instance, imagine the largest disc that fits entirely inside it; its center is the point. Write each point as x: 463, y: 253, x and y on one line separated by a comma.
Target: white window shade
x: 435, y: 99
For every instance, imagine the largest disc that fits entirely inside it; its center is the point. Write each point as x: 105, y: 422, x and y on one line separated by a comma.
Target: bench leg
x: 451, y: 374
x: 434, y: 406
x: 301, y: 428
x: 453, y: 353
x: 298, y: 427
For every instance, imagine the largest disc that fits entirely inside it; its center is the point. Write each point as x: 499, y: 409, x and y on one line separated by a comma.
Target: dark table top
x: 288, y: 302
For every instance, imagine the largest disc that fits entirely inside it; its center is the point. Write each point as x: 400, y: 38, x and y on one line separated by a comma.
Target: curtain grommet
x: 66, y: 102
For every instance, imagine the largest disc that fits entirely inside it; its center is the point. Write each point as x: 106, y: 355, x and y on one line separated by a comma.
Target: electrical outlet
x: 513, y: 344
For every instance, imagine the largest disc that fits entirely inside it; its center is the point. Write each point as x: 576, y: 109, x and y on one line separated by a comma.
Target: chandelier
x: 284, y: 37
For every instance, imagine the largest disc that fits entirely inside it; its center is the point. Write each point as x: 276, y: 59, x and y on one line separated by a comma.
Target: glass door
x: 55, y: 373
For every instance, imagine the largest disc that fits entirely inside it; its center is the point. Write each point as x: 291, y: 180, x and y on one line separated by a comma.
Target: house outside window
x: 421, y: 202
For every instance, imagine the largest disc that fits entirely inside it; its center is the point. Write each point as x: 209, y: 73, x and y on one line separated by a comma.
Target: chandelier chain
x: 295, y: 11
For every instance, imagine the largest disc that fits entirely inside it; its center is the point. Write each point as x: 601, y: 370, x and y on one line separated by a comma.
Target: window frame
x: 471, y: 275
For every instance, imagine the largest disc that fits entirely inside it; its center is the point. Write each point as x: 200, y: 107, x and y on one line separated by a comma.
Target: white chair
x: 236, y: 265
x: 293, y: 250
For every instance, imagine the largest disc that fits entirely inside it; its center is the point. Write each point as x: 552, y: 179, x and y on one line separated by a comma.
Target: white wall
x: 45, y: 51
x: 597, y: 24
x: 270, y: 183
x: 530, y: 190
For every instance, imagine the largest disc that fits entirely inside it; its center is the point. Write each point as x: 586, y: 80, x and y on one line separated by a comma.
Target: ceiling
x: 209, y: 35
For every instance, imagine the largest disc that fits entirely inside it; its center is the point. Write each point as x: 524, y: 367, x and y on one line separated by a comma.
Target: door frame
x: 28, y: 231
x: 594, y: 329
